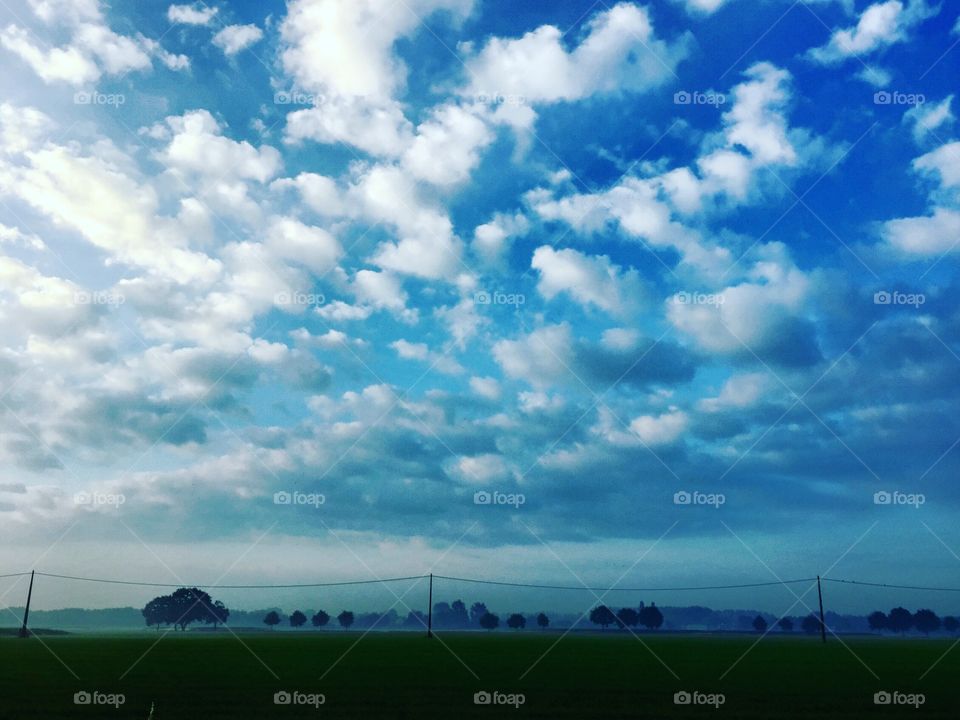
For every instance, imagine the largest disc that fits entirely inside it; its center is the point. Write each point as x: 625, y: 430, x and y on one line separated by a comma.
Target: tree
x: 899, y: 620
x: 458, y: 615
x: 602, y: 616
x: 785, y: 624
x: 877, y: 620
x: 627, y: 617
x: 415, y: 619
x: 516, y: 621
x: 810, y: 624
x: 759, y: 624
x: 926, y: 621
x: 477, y: 611
x: 346, y: 619
x: 543, y: 621
x: 490, y: 621
x: 951, y: 624
x: 320, y: 619
x: 271, y: 618
x: 651, y: 617
x: 189, y: 605
x: 297, y: 619
x: 217, y: 614
x: 157, y: 611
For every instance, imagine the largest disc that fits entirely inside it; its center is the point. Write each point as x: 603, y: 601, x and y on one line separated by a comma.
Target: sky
x: 653, y: 293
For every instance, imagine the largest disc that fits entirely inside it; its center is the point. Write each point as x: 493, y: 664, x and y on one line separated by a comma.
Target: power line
x: 14, y: 575
x: 618, y: 589
x: 229, y: 587
x: 887, y: 585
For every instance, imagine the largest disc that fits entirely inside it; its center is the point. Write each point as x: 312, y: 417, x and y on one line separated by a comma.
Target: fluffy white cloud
x: 191, y: 14
x: 313, y: 247
x: 662, y: 429
x: 234, y: 38
x: 376, y: 129
x: 927, y: 118
x: 880, y: 25
x: 486, y: 387
x: 446, y: 147
x: 590, y: 280
x: 618, y: 52
x: 541, y: 357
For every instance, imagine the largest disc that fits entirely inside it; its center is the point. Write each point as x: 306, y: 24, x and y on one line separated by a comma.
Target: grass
x: 399, y: 675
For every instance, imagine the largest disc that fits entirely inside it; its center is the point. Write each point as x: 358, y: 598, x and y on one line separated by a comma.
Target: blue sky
x: 599, y: 255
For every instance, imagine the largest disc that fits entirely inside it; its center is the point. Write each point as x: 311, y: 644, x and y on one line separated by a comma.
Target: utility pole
x: 26, y: 611
x: 823, y: 625
x: 430, y: 610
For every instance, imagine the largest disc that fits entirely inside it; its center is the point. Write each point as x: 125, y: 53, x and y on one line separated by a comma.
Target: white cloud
x: 446, y: 147
x: 234, y: 38
x: 422, y: 352
x: 619, y: 52
x: 927, y: 235
x: 313, y: 247
x: 380, y: 130
x: 540, y: 357
x: 927, y: 118
x: 590, y: 280
x: 880, y: 25
x: 190, y: 14
x: 491, y: 239
x: 662, y: 429
x: 486, y: 387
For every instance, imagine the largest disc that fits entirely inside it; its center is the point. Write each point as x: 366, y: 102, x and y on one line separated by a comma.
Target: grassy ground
x: 408, y: 676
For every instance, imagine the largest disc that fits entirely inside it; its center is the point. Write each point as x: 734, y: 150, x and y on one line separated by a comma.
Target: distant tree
x: 759, y: 624
x: 346, y: 619
x: 188, y: 605
x: 319, y: 619
x: 651, y: 617
x: 271, y: 619
x: 459, y: 617
x: 490, y: 621
x: 627, y: 617
x: 926, y: 621
x: 785, y: 624
x: 877, y: 620
x: 297, y: 619
x: 516, y: 621
x: 810, y: 624
x: 899, y: 620
x: 602, y: 616
x: 477, y: 611
x: 951, y: 624
x: 415, y: 619
x: 217, y: 614
x: 543, y: 621
x: 157, y: 611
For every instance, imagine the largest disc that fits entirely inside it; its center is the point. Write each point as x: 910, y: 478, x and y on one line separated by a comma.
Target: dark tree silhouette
x: 477, y: 611
x: 415, y: 619
x: 785, y: 624
x: 759, y: 624
x: 297, y: 619
x: 189, y: 605
x: 627, y: 617
x: 157, y: 611
x: 926, y: 621
x: 516, y: 621
x: 951, y: 624
x: 602, y: 616
x: 490, y: 621
x: 271, y: 619
x: 217, y: 614
x: 877, y: 620
x: 543, y: 621
x: 810, y: 624
x: 458, y: 615
x: 345, y: 619
x: 320, y: 619
x: 651, y: 617
x: 900, y: 620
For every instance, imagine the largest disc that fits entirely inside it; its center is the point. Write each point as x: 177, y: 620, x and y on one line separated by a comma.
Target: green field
x: 408, y: 676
